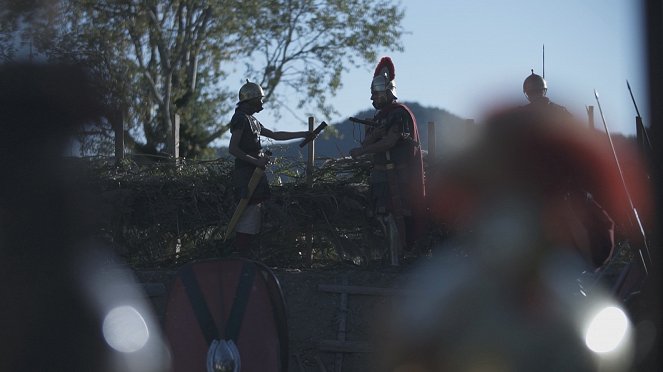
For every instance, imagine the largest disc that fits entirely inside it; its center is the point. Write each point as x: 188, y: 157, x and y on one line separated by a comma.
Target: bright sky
x: 467, y: 56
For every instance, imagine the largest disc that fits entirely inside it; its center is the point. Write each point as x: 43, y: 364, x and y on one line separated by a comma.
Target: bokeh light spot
x: 125, y: 330
x: 606, y: 330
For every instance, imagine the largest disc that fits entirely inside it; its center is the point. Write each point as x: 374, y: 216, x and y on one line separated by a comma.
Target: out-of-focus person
x: 64, y: 307
x: 511, y: 301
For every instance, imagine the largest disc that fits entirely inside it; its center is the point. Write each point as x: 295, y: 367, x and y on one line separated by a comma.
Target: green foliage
x: 306, y: 45
x: 156, y: 59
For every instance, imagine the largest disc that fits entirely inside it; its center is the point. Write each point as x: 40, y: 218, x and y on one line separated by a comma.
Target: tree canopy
x: 158, y: 58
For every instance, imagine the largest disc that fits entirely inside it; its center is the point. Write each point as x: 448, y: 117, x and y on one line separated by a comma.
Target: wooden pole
x: 431, y: 141
x: 342, y: 325
x: 308, y: 253
x: 117, y: 121
x: 590, y: 116
x: 175, y: 137
x: 311, y: 154
x: 639, y: 133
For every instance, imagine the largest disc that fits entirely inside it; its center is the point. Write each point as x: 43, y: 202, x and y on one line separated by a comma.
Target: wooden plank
x: 342, y: 325
x: 346, y: 346
x: 320, y: 364
x: 359, y: 290
x: 300, y: 363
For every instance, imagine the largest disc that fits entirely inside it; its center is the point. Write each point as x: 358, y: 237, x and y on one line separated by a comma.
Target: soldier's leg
x: 394, y: 240
x: 247, y: 230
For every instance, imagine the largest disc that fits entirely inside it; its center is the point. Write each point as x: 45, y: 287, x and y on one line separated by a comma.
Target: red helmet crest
x: 385, y: 67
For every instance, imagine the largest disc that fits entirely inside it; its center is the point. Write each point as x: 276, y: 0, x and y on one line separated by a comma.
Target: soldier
x: 245, y: 146
x: 535, y: 89
x: 397, y: 180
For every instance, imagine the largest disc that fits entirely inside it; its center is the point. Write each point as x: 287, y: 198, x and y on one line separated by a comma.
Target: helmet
x: 534, y: 83
x: 250, y: 91
x: 383, y: 78
x: 223, y: 356
x: 381, y: 83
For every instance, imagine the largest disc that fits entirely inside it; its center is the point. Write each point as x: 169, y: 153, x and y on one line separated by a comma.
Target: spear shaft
x: 628, y: 194
x: 633, y: 99
x: 639, y: 118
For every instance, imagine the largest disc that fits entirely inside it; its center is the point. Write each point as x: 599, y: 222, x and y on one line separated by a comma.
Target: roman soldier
x: 245, y: 146
x: 397, y: 178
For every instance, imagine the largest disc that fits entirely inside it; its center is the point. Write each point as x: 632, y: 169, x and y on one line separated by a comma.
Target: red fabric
x: 387, y: 63
x: 417, y: 188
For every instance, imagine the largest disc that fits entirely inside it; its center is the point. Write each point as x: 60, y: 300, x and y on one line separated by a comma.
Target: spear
x: 639, y: 119
x: 628, y: 194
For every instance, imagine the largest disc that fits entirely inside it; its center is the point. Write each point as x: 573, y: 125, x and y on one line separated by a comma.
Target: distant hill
x: 346, y: 135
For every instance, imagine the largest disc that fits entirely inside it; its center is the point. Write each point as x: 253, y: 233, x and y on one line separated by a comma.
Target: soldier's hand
x: 310, y: 136
x: 262, y: 162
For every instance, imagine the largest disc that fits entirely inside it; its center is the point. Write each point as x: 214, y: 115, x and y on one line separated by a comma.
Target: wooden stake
x: 431, y: 141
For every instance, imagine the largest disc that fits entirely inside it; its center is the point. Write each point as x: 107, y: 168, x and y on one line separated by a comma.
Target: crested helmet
x: 383, y: 78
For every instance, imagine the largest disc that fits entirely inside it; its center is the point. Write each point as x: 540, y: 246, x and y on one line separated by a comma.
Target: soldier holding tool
x: 397, y: 179
x: 249, y: 181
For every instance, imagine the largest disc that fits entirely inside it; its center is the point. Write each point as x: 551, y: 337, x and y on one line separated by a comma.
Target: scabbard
x: 241, y: 206
x: 396, y: 201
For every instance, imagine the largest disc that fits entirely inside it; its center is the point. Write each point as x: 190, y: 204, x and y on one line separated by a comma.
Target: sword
x: 628, y: 195
x: 316, y: 131
x: 244, y: 202
x: 370, y: 123
x: 397, y: 211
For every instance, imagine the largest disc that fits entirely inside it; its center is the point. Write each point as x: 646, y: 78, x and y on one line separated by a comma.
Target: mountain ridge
x: 346, y: 135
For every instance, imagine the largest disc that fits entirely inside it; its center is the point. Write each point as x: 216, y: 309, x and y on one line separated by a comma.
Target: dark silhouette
x: 397, y: 178
x: 60, y: 310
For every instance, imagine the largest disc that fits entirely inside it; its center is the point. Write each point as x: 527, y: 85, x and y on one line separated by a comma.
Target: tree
x: 306, y: 45
x: 158, y: 58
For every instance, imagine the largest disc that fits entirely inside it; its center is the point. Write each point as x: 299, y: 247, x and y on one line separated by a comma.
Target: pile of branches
x: 162, y: 214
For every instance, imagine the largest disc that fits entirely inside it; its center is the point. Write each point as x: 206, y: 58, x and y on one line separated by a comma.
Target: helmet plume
x: 385, y: 67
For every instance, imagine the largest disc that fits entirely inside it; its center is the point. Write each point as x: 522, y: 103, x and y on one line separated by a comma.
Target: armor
x: 250, y: 91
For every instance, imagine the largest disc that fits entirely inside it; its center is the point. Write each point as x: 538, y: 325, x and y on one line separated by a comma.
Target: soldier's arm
x: 282, y: 135
x: 373, y: 135
x: 385, y: 143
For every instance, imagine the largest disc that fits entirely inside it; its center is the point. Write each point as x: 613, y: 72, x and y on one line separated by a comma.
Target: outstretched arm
x: 282, y: 136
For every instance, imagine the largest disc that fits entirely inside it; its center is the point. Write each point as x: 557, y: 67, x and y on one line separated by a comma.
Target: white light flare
x: 125, y: 329
x: 607, y: 330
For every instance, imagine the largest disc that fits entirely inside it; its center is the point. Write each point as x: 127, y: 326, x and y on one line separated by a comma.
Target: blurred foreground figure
x: 512, y: 302
x: 64, y: 307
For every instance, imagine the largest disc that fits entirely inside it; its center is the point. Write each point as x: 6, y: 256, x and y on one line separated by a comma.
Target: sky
x: 468, y: 56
